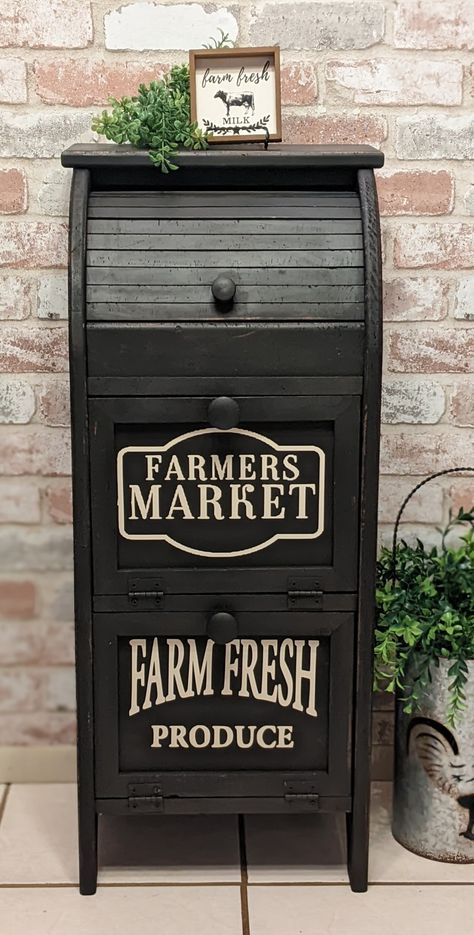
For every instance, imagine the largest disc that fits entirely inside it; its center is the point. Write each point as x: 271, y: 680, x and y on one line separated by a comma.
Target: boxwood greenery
x: 157, y: 119
x: 425, y: 613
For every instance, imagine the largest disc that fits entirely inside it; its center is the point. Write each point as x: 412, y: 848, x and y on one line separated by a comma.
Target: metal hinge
x: 301, y: 793
x: 304, y: 594
x: 145, y: 797
x: 145, y: 591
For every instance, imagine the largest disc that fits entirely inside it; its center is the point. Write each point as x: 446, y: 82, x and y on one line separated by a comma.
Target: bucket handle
x: 455, y: 470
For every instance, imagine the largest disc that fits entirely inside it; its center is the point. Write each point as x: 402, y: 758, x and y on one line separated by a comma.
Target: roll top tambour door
x: 155, y: 255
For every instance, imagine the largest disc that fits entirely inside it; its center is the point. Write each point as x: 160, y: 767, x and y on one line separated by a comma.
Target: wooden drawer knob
x: 223, y: 290
x: 222, y: 627
x: 223, y: 413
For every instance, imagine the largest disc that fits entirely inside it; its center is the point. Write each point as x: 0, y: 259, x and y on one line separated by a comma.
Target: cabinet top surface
x: 101, y: 155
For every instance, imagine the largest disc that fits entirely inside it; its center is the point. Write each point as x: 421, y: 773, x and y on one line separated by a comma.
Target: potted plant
x: 424, y: 652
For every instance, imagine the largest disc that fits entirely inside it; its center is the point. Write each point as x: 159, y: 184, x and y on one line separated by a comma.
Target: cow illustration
x: 238, y: 100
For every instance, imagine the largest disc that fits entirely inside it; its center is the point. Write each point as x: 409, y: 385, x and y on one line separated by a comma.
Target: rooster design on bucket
x: 449, y: 769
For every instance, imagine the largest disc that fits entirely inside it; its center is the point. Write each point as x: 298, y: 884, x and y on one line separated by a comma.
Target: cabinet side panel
x: 370, y: 436
x: 82, y: 532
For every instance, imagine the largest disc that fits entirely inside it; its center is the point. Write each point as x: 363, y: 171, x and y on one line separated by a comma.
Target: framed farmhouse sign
x: 235, y: 93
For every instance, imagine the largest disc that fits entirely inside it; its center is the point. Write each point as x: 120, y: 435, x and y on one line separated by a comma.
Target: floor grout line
x: 123, y: 885
x: 373, y: 883
x: 3, y: 800
x: 244, y: 901
x: 241, y: 886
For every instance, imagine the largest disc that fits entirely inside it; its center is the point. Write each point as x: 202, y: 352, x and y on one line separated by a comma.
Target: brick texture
x: 430, y: 350
x: 13, y: 191
x: 424, y: 452
x: 20, y: 690
x: 39, y: 549
x: 435, y: 136
x: 36, y: 643
x: 57, y: 599
x: 16, y: 297
x: 397, y: 82
x: 175, y: 26
x: 42, y: 134
x: 446, y: 246
x: 17, y: 600
x: 298, y: 83
x: 464, y: 298
x: 461, y: 494
x: 410, y: 299
x: 415, y: 192
x: 54, y: 193
x: 52, y: 296
x: 469, y: 200
x: 439, y: 24
x: 38, y: 728
x: 412, y: 402
x: 426, y: 503
x: 46, y: 24
x: 53, y: 402
x: 83, y: 83
x: 13, y: 88
x: 17, y: 401
x: 20, y: 500
x: 340, y: 128
x: 32, y: 244
x: 318, y: 25
x: 462, y: 404
x: 34, y: 349
x: 59, y: 503
x: 397, y: 74
x: 40, y: 451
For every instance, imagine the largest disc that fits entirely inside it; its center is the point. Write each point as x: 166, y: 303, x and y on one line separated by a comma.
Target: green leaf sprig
x: 222, y: 42
x: 157, y: 119
x: 425, y: 614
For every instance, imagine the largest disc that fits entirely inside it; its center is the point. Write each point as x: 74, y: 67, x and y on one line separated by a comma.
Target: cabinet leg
x: 357, y: 825
x: 88, y: 825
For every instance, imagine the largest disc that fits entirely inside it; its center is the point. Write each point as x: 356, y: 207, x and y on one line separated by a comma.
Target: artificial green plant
x: 425, y: 614
x: 158, y: 118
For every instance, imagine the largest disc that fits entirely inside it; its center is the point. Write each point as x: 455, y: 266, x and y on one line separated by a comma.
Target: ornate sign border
x: 200, y: 432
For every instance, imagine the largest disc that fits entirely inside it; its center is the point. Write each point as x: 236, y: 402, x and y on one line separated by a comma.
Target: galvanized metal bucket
x: 433, y: 809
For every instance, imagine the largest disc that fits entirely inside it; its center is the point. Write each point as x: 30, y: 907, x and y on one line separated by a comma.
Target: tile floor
x: 188, y: 876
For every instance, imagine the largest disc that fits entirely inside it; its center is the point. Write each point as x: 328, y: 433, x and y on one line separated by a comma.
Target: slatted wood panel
x: 153, y: 255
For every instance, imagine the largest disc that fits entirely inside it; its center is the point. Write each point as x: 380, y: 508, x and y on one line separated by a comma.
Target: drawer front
x: 275, y: 699
x: 252, y: 350
x: 155, y: 255
x: 201, y: 509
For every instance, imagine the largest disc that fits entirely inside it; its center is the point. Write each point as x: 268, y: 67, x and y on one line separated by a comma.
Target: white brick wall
x: 142, y: 26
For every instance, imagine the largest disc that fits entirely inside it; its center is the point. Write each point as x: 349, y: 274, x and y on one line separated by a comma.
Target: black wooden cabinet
x: 225, y: 338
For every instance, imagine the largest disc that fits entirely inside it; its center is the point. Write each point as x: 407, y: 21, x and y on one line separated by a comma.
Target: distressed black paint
x: 224, y: 577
